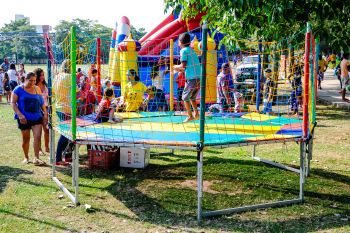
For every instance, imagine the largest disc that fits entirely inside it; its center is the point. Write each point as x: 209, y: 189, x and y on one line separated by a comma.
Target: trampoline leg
x: 254, y: 151
x: 172, y: 151
x: 199, y: 185
x: 52, y: 151
x: 75, y: 173
x: 302, y: 171
x: 309, y: 156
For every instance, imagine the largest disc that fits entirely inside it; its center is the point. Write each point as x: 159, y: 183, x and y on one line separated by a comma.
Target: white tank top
x: 12, y: 75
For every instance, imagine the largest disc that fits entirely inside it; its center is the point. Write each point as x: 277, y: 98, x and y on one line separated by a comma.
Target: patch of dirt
x: 192, y: 184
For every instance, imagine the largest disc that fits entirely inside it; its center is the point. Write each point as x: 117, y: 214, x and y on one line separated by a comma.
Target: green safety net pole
x: 203, y: 83
x: 258, y: 80
x: 73, y: 55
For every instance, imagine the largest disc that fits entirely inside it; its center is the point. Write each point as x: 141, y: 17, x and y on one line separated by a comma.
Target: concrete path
x: 330, y: 91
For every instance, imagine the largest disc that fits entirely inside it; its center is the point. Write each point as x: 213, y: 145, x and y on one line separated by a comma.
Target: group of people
x: 10, y: 78
x: 341, y: 70
x: 29, y: 100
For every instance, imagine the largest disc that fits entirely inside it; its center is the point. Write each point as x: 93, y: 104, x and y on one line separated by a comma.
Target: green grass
x: 163, y: 197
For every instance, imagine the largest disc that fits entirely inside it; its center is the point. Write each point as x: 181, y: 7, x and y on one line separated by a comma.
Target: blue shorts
x: 13, y: 85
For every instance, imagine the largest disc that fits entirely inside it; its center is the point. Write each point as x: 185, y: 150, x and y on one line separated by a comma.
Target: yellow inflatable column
x: 115, y: 75
x: 212, y: 62
x: 61, y: 90
x: 194, y: 45
x: 128, y: 59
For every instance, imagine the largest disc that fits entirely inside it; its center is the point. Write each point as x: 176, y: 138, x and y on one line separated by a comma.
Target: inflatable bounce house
x: 161, y: 45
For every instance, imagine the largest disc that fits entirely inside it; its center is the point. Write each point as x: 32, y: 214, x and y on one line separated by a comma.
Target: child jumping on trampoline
x: 268, y: 92
x: 190, y: 65
x: 106, y: 109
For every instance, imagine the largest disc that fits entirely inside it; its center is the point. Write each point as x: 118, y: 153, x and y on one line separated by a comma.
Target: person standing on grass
x: 344, y: 76
x: 13, y: 75
x: 5, y: 65
x: 190, y: 65
x: 41, y: 83
x: 21, y: 72
x: 7, y: 88
x: 2, y: 92
x: 30, y: 112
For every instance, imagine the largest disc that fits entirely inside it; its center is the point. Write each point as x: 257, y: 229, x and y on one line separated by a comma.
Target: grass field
x: 162, y: 198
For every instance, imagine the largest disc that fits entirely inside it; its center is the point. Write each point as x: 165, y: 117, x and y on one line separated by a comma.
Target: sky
x: 141, y: 13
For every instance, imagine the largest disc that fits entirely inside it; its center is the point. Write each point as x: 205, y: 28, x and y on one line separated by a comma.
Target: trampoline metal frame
x: 302, y: 171
x: 302, y: 174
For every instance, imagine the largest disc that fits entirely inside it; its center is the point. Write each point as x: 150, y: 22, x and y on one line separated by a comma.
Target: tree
x: 273, y: 20
x: 86, y: 33
x: 137, y: 33
x: 20, y: 41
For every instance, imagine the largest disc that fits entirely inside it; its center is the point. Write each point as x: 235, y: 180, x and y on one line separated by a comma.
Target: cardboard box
x: 134, y: 157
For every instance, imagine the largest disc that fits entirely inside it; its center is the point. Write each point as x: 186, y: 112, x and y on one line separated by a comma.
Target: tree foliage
x: 88, y: 30
x: 20, y: 41
x: 137, y: 33
x: 273, y: 20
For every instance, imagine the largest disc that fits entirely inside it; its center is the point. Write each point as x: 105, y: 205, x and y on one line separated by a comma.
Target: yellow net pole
x: 171, y: 99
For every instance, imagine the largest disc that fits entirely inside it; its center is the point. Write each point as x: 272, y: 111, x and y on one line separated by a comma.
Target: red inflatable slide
x: 170, y: 28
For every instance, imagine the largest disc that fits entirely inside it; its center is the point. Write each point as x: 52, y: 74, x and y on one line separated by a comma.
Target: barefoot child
x: 105, y: 110
x: 268, y: 92
x: 189, y: 64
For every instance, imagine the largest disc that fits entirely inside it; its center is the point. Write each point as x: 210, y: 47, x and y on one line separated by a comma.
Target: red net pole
x: 306, y: 82
x: 98, y: 61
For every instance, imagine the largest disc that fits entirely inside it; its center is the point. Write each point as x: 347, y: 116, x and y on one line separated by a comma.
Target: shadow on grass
x: 331, y: 175
x: 28, y: 218
x: 174, y: 206
x: 7, y: 173
x: 331, y: 113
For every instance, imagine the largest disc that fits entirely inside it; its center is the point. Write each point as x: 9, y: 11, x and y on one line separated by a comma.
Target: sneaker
x: 110, y: 121
x: 25, y: 161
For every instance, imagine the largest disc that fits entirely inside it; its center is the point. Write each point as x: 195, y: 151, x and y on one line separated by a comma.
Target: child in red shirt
x: 105, y: 110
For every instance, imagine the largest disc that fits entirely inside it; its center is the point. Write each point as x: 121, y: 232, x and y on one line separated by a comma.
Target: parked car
x: 247, y: 71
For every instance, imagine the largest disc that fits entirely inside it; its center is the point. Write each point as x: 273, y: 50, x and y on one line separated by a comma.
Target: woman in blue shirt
x: 30, y: 112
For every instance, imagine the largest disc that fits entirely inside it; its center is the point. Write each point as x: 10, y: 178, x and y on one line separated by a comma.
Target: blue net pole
x: 259, y: 77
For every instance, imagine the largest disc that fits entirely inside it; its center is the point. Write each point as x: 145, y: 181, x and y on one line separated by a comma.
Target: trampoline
x: 159, y: 129
x: 167, y: 130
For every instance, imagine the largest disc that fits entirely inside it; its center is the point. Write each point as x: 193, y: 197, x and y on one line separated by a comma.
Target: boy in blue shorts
x: 190, y: 65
